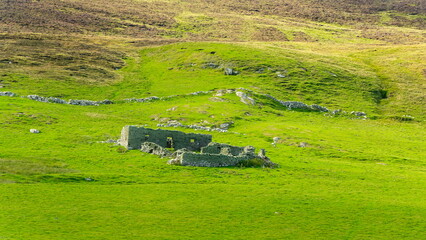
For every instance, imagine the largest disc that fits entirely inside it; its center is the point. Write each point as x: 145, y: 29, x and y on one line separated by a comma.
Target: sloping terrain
x: 83, y: 43
x: 340, y: 176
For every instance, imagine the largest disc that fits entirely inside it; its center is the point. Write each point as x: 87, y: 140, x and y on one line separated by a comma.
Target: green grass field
x: 355, y: 179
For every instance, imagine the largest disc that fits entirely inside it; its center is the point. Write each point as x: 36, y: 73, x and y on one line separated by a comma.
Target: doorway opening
x: 169, y: 143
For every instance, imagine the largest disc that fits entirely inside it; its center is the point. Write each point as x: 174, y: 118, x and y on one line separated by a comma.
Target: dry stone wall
x: 210, y: 160
x: 242, y: 93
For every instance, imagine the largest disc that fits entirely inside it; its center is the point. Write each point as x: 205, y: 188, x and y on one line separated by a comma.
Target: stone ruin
x: 190, y: 149
x: 132, y: 137
x: 222, y: 155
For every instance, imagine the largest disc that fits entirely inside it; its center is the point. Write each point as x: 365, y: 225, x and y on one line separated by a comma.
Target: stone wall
x: 210, y: 160
x: 160, y: 142
x: 132, y: 137
x: 220, y: 148
x: 152, y: 148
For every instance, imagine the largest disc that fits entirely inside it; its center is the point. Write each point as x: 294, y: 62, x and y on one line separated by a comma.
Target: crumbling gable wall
x: 132, y: 137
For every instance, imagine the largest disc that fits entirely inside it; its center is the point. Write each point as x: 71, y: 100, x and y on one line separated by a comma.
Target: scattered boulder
x: 230, y: 71
x: 172, y: 108
x: 353, y: 114
x: 8, y: 94
x: 281, y: 75
x: 359, y: 114
x: 245, y: 99
x: 226, y: 125
x: 35, y: 131
x: 211, y: 65
x: 276, y: 139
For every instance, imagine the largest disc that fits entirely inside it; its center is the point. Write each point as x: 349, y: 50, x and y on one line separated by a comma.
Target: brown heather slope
x: 154, y: 18
x: 85, y: 17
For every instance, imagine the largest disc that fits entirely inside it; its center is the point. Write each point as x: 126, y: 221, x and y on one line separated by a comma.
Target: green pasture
x: 356, y: 179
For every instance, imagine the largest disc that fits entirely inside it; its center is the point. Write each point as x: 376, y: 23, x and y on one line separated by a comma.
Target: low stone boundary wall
x: 210, y: 160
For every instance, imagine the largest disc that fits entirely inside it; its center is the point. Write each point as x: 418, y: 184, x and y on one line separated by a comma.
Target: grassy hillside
x: 353, y: 172
x: 388, y: 82
x: 354, y: 178
x: 71, y: 44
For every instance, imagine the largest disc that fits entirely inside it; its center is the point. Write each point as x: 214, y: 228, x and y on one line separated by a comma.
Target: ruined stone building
x: 189, y: 149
